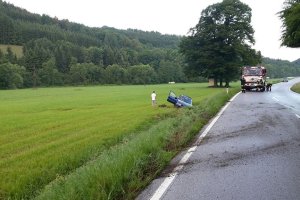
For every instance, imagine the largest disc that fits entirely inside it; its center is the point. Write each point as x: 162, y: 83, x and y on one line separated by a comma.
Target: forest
x: 59, y: 52
x: 281, y: 68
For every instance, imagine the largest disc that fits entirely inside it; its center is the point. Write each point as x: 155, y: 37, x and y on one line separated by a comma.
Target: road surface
x: 250, y: 151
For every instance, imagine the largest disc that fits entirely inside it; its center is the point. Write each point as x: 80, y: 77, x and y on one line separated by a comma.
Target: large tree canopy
x: 290, y: 17
x: 221, y: 42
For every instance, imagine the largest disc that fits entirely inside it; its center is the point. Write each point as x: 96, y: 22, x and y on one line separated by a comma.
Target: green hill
x: 297, y: 62
x: 277, y: 68
x: 59, y: 52
x: 18, y: 26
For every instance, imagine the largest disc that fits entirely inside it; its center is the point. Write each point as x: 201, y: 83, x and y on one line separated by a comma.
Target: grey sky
x: 164, y: 16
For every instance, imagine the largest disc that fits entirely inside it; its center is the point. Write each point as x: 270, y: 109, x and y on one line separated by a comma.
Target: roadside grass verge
x: 49, y: 135
x: 123, y: 170
x: 296, y: 88
x: 274, y: 80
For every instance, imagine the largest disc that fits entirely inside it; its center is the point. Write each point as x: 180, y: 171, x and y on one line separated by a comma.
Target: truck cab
x: 254, y: 77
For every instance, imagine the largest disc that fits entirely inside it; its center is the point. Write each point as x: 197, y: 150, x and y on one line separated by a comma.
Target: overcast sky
x: 165, y: 16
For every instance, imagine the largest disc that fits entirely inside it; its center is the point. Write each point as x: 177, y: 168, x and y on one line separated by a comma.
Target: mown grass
x: 18, y: 50
x: 296, y: 88
x: 93, y: 142
x: 274, y: 80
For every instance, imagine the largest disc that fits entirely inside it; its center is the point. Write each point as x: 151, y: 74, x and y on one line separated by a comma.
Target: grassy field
x: 296, y: 88
x: 52, y: 139
x: 18, y: 50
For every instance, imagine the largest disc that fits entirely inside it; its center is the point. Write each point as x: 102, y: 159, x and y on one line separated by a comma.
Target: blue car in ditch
x: 181, y: 101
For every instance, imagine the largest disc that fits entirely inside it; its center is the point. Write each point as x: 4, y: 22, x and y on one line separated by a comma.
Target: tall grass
x: 63, y: 138
x: 296, y: 88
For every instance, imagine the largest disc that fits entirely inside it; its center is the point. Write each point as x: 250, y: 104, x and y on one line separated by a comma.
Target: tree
x: 141, y: 74
x: 220, y: 43
x: 7, y: 30
x: 78, y: 74
x: 49, y: 75
x: 63, y: 56
x: 95, y: 55
x: 36, y: 52
x: 11, y: 57
x: 152, y: 57
x: 11, y: 76
x: 96, y: 74
x: 169, y: 71
x: 108, y: 56
x: 2, y: 58
x: 290, y: 17
x: 116, y: 74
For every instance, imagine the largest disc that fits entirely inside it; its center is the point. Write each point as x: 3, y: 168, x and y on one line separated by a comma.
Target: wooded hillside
x: 281, y: 68
x: 59, y: 52
x: 19, y: 26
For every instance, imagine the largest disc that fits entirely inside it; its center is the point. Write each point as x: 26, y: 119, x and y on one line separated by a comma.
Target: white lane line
x: 169, y: 180
x: 287, y: 106
x: 275, y: 98
x: 163, y: 187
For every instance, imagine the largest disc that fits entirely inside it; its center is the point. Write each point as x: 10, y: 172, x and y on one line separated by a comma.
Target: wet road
x: 285, y: 97
x: 252, y: 151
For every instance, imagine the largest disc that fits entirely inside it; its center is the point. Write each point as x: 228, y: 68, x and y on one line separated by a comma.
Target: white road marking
x: 163, y: 187
x: 287, y: 106
x: 168, y: 181
x: 275, y: 98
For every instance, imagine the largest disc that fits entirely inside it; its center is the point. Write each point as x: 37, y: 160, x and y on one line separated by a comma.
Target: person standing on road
x: 269, y: 87
x: 243, y: 81
x: 153, y: 98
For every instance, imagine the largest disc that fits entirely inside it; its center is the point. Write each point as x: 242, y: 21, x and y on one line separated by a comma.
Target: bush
x: 11, y: 76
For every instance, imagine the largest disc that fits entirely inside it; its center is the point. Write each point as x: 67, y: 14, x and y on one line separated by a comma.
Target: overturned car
x: 181, y: 101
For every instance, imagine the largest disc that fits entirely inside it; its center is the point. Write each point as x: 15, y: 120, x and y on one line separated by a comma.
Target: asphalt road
x: 252, y: 151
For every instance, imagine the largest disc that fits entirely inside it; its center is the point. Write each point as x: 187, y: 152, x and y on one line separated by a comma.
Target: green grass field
x: 18, y: 50
x: 296, y: 88
x: 49, y: 134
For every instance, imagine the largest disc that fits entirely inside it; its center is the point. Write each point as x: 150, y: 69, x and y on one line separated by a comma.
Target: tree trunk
x: 221, y: 82
x: 34, y: 77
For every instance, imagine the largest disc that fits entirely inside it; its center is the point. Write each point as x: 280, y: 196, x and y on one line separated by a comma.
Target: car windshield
x: 172, y: 94
x: 252, y: 71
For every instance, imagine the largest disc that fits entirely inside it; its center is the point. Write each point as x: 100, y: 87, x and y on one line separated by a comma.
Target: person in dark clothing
x: 243, y: 81
x: 269, y: 87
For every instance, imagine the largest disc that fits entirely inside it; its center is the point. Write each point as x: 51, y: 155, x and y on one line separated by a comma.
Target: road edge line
x: 160, y: 191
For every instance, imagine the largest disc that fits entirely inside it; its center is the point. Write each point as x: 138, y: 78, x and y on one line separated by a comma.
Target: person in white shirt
x: 153, y: 98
